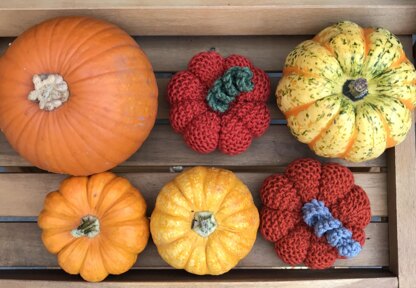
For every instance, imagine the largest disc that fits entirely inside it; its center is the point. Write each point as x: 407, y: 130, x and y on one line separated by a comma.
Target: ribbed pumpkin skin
x: 204, y: 189
x: 113, y: 96
x: 310, y: 92
x: 124, y: 227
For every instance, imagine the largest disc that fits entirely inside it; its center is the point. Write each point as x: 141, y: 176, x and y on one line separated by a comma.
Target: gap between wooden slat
x: 243, y: 278
x: 15, y: 188
x: 277, y: 147
x: 34, y: 219
x: 20, y: 245
x: 172, y: 53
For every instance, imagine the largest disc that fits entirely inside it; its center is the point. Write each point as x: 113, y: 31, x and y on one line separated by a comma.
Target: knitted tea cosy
x: 314, y: 213
x: 219, y: 103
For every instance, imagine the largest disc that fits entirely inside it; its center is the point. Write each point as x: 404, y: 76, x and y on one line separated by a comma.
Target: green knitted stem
x: 225, y: 89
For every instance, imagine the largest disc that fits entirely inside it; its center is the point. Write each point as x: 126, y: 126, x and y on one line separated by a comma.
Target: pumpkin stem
x: 204, y: 223
x: 51, y: 91
x: 89, y: 227
x: 355, y: 89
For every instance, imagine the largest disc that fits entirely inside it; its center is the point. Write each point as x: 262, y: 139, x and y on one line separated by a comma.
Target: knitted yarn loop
x: 225, y: 89
x: 318, y: 216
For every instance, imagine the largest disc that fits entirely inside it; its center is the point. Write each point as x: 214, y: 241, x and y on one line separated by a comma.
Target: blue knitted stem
x: 318, y: 216
x: 225, y: 89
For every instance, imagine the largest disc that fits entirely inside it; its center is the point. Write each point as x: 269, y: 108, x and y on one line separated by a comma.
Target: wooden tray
x: 171, y: 35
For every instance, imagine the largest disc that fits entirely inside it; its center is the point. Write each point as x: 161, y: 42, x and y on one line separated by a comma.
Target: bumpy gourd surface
x: 311, y: 96
x: 204, y: 189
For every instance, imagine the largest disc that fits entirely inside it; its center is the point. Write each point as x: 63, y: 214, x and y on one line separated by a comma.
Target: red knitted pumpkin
x: 219, y: 103
x: 323, y: 194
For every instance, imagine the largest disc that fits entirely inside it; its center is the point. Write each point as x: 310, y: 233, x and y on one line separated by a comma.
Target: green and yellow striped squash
x: 348, y: 92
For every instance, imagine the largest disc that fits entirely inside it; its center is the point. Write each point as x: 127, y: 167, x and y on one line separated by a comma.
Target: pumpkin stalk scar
x: 51, y: 91
x: 204, y: 223
x: 355, y: 89
x: 89, y: 227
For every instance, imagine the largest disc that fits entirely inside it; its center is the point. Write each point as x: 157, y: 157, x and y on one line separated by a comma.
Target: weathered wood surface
x: 402, y: 210
x: 22, y: 194
x: 171, y: 54
x: 291, y: 278
x: 21, y: 245
x: 277, y: 147
x: 382, y: 282
x: 219, y: 17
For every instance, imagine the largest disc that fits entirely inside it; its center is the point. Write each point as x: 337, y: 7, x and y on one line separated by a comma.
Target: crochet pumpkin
x: 219, y: 103
x: 314, y: 213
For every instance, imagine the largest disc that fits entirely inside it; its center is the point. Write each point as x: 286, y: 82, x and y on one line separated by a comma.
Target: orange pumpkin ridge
x: 350, y: 144
x: 318, y: 40
x: 298, y: 109
x: 399, y: 61
x: 408, y: 103
x: 366, y: 35
x: 296, y: 70
x: 322, y: 132
x: 389, y: 141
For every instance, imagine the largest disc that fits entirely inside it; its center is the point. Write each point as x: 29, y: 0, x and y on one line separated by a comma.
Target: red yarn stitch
x: 283, y: 196
x: 205, y: 130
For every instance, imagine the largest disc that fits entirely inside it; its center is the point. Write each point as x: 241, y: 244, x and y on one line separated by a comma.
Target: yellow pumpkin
x: 348, y: 92
x: 96, y: 225
x: 204, y: 221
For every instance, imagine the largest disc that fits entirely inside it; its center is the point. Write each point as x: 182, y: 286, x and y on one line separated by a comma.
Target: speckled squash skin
x: 216, y: 191
x: 312, y: 95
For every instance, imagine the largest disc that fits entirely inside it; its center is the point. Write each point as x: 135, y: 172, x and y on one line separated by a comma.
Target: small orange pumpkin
x: 96, y: 225
x: 93, y: 100
x: 204, y: 221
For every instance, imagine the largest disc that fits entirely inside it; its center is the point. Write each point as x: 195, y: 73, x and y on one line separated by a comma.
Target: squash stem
x: 204, y: 223
x: 89, y: 227
x: 51, y: 91
x: 355, y: 89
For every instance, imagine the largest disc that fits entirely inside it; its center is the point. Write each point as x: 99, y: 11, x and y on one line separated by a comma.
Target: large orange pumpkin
x: 96, y: 225
x: 77, y: 95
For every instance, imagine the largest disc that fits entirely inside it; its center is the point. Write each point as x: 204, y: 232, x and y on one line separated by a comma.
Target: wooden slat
x: 277, y: 147
x: 266, y: 52
x: 103, y: 4
x: 20, y: 245
x: 337, y: 281
x: 233, y: 17
x: 402, y: 210
x: 340, y: 278
x: 22, y: 194
x: 172, y: 54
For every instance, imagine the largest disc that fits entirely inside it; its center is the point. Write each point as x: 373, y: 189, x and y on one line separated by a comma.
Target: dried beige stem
x: 51, y: 91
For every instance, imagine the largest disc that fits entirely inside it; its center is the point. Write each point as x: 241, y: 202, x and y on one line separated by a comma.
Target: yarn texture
x: 219, y: 103
x: 318, y: 216
x: 314, y: 213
